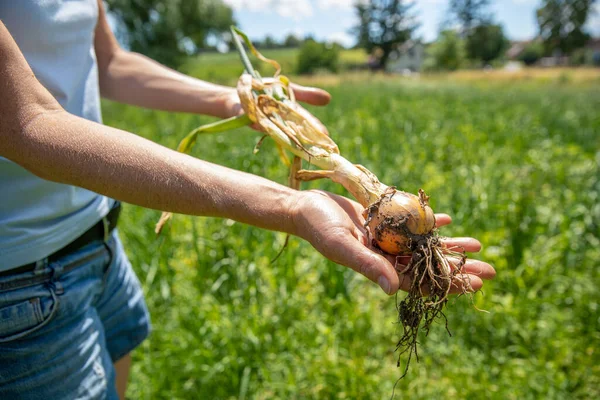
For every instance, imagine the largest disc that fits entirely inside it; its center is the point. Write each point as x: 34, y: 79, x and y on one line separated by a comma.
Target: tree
x: 384, y: 24
x: 168, y: 30
x: 532, y: 53
x: 486, y: 42
x: 315, y: 56
x: 269, y: 42
x: 291, y: 40
x: 447, y: 53
x: 469, y: 13
x: 561, y: 24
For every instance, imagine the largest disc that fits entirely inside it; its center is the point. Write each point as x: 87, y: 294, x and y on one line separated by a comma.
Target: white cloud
x: 327, y: 4
x: 304, y: 8
x: 349, y: 4
x: 256, y: 5
x: 296, y: 9
x: 343, y: 38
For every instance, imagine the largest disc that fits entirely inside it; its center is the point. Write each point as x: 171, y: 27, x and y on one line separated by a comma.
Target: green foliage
x: 268, y: 43
x: 485, y: 43
x: 579, y: 57
x: 470, y: 13
x: 484, y: 40
x: 562, y: 23
x: 384, y: 25
x: 584, y: 56
x: 315, y: 56
x: 447, y: 53
x: 532, y: 53
x: 291, y: 41
x: 516, y: 165
x: 169, y: 30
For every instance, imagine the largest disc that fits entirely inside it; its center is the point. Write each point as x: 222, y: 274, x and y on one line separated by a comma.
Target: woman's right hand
x: 334, y: 225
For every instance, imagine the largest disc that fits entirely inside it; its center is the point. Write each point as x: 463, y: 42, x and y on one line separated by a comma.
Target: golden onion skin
x: 398, y: 220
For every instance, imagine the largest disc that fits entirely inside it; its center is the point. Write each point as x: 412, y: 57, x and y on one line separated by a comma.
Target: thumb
x: 361, y: 259
x: 310, y: 95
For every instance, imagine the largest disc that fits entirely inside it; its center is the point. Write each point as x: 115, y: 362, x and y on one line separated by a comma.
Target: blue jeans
x: 61, y: 331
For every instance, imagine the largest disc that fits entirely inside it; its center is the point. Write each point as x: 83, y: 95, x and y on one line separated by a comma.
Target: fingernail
x: 384, y: 283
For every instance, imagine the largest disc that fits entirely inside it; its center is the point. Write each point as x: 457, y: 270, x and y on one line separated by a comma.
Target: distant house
x: 593, y: 47
x: 556, y: 60
x: 408, y: 57
x: 516, y: 49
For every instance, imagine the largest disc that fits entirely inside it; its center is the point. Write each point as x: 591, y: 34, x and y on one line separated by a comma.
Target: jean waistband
x: 36, y: 272
x: 31, y: 278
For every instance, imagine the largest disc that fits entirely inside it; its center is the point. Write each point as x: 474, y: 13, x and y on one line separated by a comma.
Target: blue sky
x: 331, y: 19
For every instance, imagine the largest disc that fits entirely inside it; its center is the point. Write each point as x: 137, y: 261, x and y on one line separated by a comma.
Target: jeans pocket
x: 20, y: 319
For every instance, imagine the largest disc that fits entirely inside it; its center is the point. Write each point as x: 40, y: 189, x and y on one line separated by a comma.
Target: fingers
x: 310, y: 95
x: 405, y: 282
x: 460, y: 284
x: 466, y: 283
x: 442, y: 220
x: 475, y: 267
x: 380, y: 268
x: 461, y: 244
x: 314, y: 96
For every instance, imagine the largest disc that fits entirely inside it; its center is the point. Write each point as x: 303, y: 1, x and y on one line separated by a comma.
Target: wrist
x: 221, y: 103
x: 306, y: 206
x: 296, y: 211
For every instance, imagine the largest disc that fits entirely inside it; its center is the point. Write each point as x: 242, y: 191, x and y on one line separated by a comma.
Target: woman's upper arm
x: 22, y: 96
x: 105, y: 43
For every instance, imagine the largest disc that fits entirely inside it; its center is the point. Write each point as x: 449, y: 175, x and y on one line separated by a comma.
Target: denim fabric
x: 61, y: 331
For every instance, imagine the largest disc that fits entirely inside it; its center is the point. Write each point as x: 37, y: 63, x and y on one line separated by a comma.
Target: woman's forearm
x: 64, y: 148
x: 132, y: 78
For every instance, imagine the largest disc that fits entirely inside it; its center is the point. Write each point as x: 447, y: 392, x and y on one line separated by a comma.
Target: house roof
x: 593, y: 44
x: 516, y: 48
x: 409, y: 44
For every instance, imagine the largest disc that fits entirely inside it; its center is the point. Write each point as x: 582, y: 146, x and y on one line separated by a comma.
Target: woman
x: 71, y: 309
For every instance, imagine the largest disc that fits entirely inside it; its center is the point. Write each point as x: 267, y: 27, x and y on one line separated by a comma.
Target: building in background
x: 516, y: 49
x: 408, y: 57
x: 593, y: 49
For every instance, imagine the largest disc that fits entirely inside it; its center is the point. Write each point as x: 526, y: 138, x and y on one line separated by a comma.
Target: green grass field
x: 516, y: 164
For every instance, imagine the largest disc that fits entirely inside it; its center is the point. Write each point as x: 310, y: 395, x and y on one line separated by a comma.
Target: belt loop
x: 106, y: 226
x: 57, y: 271
x: 40, y: 265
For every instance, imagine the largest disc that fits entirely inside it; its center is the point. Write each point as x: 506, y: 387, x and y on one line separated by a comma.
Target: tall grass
x: 517, y: 167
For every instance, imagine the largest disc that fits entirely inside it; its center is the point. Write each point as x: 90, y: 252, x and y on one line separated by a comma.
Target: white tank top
x: 38, y: 217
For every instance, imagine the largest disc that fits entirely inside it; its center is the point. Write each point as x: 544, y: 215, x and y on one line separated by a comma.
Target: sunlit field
x: 517, y: 165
